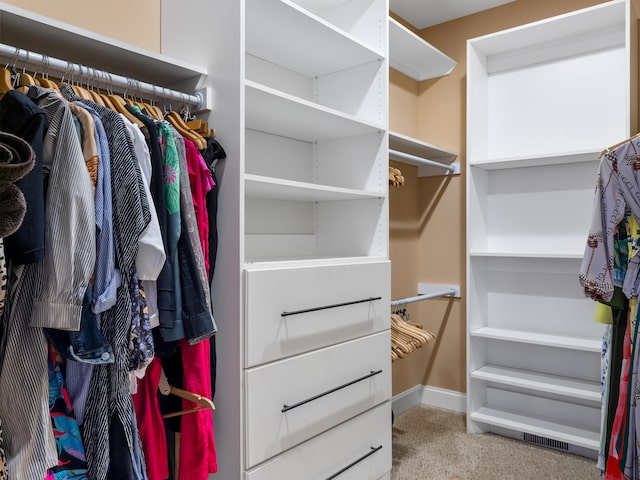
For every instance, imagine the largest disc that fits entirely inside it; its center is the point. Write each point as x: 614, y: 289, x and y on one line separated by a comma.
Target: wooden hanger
x: 6, y: 82
x: 24, y: 81
x: 153, y: 111
x: 119, y: 105
x: 166, y: 389
x: 179, y: 124
x: 46, y: 83
x: 613, y: 147
x: 96, y: 97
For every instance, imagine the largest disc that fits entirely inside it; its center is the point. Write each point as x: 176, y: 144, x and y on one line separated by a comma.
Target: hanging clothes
x: 47, y: 294
x: 108, y: 419
x: 151, y: 425
x: 609, y: 274
x: 126, y: 220
x: 4, y: 474
x: 164, y: 282
x: 169, y: 302
x: 72, y: 462
x: 616, y: 188
x: 20, y: 116
x: 3, y: 280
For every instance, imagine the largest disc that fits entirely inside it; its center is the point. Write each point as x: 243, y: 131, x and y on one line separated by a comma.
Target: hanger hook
x: 25, y: 62
x: 15, y: 58
x: 45, y: 66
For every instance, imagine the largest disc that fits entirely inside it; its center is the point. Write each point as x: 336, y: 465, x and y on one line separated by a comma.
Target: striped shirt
x: 49, y: 293
x: 70, y: 247
x: 109, y: 399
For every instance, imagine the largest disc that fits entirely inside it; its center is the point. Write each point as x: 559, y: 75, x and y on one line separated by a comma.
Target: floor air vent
x: 545, y: 442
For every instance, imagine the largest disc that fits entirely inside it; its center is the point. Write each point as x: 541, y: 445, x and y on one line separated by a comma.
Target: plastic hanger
x: 166, y: 389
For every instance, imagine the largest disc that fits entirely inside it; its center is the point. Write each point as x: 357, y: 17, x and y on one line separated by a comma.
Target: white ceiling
x: 426, y: 13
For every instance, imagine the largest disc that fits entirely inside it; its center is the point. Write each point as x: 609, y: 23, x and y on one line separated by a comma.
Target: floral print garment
x: 141, y: 347
x: 72, y: 462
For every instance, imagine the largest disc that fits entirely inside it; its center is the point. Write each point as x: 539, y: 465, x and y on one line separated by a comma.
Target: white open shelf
x: 538, y: 426
x: 258, y: 186
x: 413, y: 56
x: 302, y: 41
x: 43, y: 35
x: 525, y: 336
x: 514, y: 254
x: 269, y: 110
x: 540, y: 382
x: 541, y: 211
x: 537, y: 160
x: 261, y: 263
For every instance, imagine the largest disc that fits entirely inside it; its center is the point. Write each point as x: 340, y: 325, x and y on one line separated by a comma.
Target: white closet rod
x: 420, y: 298
x: 104, y: 79
x: 419, y: 160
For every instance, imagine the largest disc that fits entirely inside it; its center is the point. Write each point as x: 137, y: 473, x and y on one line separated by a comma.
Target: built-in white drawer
x: 290, y: 401
x: 359, y: 449
x: 295, y: 310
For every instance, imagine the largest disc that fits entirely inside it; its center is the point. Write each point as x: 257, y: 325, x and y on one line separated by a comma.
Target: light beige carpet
x: 430, y: 443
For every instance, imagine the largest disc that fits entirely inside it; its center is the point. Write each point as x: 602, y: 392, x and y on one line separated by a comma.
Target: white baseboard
x: 432, y: 396
x: 407, y: 399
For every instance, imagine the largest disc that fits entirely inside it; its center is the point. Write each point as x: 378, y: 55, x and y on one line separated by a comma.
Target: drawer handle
x: 315, y: 309
x: 352, y: 464
x: 286, y: 408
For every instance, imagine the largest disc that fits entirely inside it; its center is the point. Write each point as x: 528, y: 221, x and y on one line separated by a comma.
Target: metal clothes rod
x: 422, y: 161
x: 104, y: 79
x: 419, y: 298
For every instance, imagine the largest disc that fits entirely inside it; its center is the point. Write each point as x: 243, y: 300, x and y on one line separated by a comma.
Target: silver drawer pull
x: 325, y: 307
x: 286, y: 408
x: 373, y: 450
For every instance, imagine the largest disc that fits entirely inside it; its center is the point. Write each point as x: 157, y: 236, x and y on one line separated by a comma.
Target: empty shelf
x: 539, y: 381
x: 538, y: 426
x: 301, y: 41
x: 272, y: 111
x: 523, y: 336
x: 258, y: 186
x: 416, y: 58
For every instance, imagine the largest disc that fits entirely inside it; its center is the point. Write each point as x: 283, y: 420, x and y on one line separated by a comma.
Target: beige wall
x: 135, y: 22
x: 431, y: 243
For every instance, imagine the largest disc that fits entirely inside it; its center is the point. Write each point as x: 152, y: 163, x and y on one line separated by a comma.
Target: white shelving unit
x: 309, y: 186
x: 418, y: 59
x: 541, y: 106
